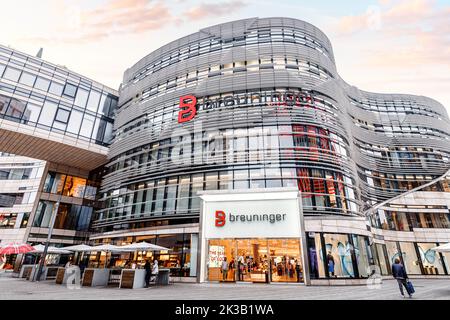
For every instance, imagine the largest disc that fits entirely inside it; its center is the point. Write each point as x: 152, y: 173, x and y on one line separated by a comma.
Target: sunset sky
x: 400, y: 46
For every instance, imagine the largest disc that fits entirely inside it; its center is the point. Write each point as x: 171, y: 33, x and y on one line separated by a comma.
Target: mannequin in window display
x: 313, y: 261
x: 298, y: 270
x: 330, y: 264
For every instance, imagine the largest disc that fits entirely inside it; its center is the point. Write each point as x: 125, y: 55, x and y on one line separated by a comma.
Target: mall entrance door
x: 255, y: 260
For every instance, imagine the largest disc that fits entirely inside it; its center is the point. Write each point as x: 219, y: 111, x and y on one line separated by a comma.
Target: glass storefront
x: 255, y: 260
x: 333, y: 255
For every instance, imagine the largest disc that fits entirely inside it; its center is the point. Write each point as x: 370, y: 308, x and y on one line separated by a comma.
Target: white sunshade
x: 143, y: 246
x: 52, y: 250
x: 442, y: 248
x: 79, y: 248
x: 107, y: 247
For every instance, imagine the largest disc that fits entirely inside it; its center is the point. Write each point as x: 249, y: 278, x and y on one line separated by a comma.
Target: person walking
x: 224, y: 269
x: 148, y: 273
x: 399, y: 273
x: 330, y: 263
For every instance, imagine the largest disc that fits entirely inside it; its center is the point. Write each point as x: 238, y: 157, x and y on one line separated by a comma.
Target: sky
x: 385, y: 46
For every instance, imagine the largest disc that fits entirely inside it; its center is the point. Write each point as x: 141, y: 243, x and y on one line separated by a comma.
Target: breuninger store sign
x: 264, y: 214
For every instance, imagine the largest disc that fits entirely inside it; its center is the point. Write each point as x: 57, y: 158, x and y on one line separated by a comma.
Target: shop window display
x: 410, y: 260
x: 340, y: 249
x: 431, y: 259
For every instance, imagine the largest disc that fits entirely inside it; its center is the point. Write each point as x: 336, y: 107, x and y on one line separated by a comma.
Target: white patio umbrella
x: 442, y: 248
x: 143, y: 246
x: 53, y: 250
x: 79, y: 248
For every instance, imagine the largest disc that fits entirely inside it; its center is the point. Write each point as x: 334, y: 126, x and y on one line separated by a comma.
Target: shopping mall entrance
x: 252, y: 236
x: 255, y: 260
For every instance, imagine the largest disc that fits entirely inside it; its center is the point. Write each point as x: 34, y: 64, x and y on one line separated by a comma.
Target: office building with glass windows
x: 257, y: 104
x: 65, y: 120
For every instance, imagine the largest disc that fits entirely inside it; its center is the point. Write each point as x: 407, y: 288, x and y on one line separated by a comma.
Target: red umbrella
x: 16, y: 248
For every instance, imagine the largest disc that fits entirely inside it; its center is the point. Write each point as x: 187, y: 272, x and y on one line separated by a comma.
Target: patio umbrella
x: 143, y: 246
x: 16, y: 248
x: 52, y: 250
x: 442, y: 248
x: 79, y: 248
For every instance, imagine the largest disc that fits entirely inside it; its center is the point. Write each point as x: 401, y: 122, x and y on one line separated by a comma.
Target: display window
x: 431, y: 260
x: 254, y: 260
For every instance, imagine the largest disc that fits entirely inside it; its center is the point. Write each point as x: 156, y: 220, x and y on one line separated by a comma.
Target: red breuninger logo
x: 187, y: 107
x: 220, y: 218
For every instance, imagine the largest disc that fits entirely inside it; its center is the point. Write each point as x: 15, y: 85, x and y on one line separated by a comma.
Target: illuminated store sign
x: 221, y: 218
x: 253, y: 214
x: 190, y: 105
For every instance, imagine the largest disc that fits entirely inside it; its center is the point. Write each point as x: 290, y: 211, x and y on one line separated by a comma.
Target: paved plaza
x: 14, y: 288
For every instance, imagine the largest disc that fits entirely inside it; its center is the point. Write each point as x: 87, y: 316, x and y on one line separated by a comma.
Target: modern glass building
x: 258, y: 103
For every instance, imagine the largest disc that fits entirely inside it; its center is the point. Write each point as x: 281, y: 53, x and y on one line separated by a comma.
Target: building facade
x: 50, y: 113
x: 258, y: 103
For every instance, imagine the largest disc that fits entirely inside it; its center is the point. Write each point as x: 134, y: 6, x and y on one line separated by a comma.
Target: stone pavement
x: 14, y: 288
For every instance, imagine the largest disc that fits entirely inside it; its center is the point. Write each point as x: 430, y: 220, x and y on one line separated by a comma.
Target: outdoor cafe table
x: 132, y: 278
x: 93, y: 277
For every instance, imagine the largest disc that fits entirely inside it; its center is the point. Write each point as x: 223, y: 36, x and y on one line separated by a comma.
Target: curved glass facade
x: 271, y: 111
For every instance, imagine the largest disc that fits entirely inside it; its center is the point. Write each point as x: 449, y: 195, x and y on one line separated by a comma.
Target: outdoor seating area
x: 91, y: 266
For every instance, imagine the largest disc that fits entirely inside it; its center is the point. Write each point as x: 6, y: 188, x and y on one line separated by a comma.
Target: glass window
x: 74, y: 187
x: 75, y: 121
x: 31, y: 113
x: 56, y: 88
x: 43, y: 214
x: 410, y: 260
x: 86, y: 127
x: 12, y: 74
x: 339, y: 252
x: 27, y: 79
x: 48, y: 113
x: 2, y: 68
x: 82, y: 97
x: 94, y: 98
x: 70, y: 90
x: 42, y: 84
x: 392, y: 251
x: 54, y: 183
x: 62, y: 115
x: 16, y: 109
x: 4, y: 101
x: 183, y: 193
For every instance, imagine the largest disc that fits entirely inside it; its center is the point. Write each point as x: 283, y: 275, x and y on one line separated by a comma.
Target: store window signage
x: 190, y: 105
x: 221, y: 218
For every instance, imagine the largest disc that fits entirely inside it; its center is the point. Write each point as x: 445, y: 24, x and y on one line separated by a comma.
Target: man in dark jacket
x: 148, y: 273
x: 399, y: 273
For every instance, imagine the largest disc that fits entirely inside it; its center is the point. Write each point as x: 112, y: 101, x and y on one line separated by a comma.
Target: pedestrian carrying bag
x: 410, y: 287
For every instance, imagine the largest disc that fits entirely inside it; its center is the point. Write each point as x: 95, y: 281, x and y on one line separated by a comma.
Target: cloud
x: 205, y: 10
x: 419, y: 31
x: 114, y: 17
